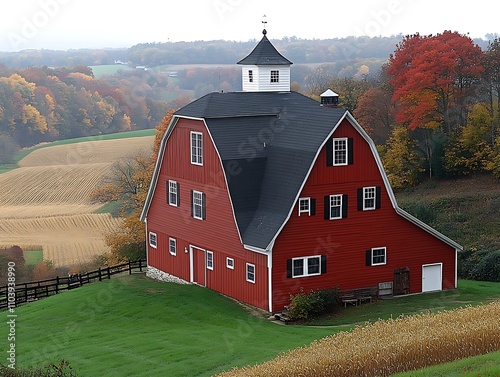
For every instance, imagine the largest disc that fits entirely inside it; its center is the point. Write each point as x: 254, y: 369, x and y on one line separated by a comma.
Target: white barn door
x: 432, y: 277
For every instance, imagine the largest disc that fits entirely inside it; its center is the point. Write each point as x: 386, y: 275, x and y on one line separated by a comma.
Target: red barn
x: 261, y: 193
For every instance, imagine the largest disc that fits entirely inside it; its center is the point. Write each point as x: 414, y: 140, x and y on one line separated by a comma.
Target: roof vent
x: 329, y: 98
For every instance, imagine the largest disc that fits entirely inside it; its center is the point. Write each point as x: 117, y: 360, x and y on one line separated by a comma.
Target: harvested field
x: 45, y: 201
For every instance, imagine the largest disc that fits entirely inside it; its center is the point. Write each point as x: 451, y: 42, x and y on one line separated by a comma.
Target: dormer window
x: 250, y: 76
x: 196, y: 148
x: 275, y: 76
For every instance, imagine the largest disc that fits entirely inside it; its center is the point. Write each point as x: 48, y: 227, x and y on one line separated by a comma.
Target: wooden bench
x: 358, y: 296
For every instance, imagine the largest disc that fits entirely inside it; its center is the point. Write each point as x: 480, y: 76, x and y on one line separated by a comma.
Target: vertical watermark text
x: 11, y: 314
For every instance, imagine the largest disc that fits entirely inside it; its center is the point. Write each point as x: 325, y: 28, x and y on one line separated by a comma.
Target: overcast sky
x: 73, y: 24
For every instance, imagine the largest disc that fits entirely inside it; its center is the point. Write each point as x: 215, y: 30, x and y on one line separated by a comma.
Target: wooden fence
x: 32, y: 291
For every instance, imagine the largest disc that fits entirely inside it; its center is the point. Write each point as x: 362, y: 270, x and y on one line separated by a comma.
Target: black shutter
x: 377, y: 197
x: 288, y: 268
x: 344, y: 206
x: 368, y: 257
x: 323, y: 264
x: 203, y: 206
x: 178, y: 194
x: 192, y: 204
x: 327, y: 208
x: 350, y: 151
x: 360, y: 199
x: 329, y: 152
x: 313, y: 206
x: 168, y: 192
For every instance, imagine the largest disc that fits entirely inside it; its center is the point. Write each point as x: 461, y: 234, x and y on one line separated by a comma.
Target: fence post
x: 140, y: 265
x: 109, y: 274
x: 100, y: 276
x: 57, y: 284
x: 129, y: 267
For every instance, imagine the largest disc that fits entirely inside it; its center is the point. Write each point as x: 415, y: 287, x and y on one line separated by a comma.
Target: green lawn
x: 468, y: 293
x: 134, y: 326
x: 479, y: 366
x: 108, y: 69
x: 33, y: 257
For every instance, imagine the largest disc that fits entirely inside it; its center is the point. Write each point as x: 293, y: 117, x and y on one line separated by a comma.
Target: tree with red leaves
x: 434, y: 79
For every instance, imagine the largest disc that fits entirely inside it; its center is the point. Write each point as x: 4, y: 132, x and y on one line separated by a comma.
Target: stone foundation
x: 156, y: 274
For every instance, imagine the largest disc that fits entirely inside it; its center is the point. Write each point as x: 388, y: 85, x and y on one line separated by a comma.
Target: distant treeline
x: 40, y: 104
x: 299, y: 51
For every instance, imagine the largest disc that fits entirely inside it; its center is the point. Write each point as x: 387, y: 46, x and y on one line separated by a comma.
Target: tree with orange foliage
x: 131, y: 184
x: 434, y: 79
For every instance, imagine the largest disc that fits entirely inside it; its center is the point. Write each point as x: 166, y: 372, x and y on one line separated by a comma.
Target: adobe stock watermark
x: 380, y: 19
x: 221, y: 7
x: 30, y: 26
x: 11, y: 315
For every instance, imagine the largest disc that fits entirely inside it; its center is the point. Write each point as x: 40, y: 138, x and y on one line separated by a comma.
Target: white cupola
x: 265, y: 69
x: 329, y: 98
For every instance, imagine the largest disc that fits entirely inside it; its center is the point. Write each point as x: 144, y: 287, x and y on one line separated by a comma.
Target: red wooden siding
x: 218, y: 233
x: 345, y: 241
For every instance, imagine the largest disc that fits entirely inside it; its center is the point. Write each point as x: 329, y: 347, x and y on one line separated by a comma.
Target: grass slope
x: 119, y: 135
x: 479, y: 366
x: 134, y: 326
x: 464, y: 209
x: 468, y: 293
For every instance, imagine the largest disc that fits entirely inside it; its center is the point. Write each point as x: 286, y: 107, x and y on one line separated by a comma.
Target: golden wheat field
x: 45, y: 201
x: 391, y: 346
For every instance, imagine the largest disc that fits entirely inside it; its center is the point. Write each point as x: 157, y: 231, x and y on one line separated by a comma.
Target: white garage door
x: 432, y: 277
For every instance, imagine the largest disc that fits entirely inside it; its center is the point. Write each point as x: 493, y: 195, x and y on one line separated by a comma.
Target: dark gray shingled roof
x: 265, y: 54
x: 267, y: 142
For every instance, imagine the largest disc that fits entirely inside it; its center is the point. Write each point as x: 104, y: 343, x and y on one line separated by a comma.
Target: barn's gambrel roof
x: 268, y: 143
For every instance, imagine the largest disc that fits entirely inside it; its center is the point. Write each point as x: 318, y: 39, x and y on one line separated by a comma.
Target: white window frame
x: 250, y: 278
x: 340, y: 151
x: 172, y: 246
x: 305, y: 266
x: 334, y: 199
x: 369, y: 193
x: 378, y: 256
x: 197, y: 203
x: 153, y: 240
x: 275, y: 76
x: 230, y: 263
x: 196, y: 148
x: 210, y: 260
x: 303, y: 202
x: 172, y: 192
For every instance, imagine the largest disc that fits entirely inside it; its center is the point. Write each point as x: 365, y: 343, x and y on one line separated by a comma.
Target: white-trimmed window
x: 198, y: 205
x: 230, y: 263
x: 340, y: 151
x: 306, y: 266
x: 369, y: 194
x: 250, y: 75
x: 305, y: 205
x: 173, y: 193
x: 250, y: 273
x: 172, y: 246
x: 275, y: 76
x: 196, y: 148
x: 378, y: 256
x: 335, y: 207
x: 210, y: 260
x: 153, y: 241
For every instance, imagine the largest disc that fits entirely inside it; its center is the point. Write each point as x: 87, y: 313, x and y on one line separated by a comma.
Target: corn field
x: 391, y: 346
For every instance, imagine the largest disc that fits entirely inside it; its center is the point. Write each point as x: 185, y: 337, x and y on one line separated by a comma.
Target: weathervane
x: 264, y: 22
